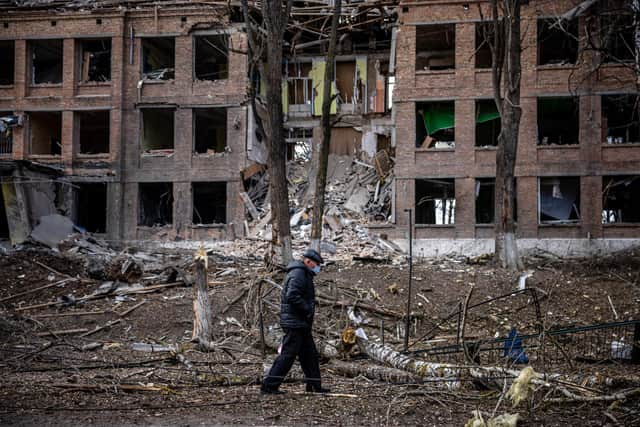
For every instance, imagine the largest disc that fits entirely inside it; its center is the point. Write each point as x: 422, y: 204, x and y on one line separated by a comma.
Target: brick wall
x: 589, y: 160
x: 124, y: 167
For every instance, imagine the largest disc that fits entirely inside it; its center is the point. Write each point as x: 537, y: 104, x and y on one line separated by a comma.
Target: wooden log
x: 373, y: 372
x: 202, y: 315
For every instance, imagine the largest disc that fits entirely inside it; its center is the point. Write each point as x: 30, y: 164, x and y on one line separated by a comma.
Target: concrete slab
x: 52, y: 230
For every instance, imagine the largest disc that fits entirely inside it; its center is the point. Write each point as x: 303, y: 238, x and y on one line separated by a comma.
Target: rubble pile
x: 359, y: 195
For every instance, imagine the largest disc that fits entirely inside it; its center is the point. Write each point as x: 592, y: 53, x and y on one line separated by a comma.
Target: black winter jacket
x: 297, y: 303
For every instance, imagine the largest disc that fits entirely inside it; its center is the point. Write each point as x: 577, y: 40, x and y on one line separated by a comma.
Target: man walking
x: 296, y: 319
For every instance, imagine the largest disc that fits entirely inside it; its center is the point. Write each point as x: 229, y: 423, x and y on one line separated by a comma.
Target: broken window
x: 435, y: 47
x: 155, y: 200
x: 93, y: 130
x: 299, y: 84
x: 435, y: 201
x: 559, y: 200
x: 158, y: 58
x: 46, y: 61
x: 45, y: 132
x: 95, y: 60
x: 91, y: 206
x: 210, y: 130
x: 620, y: 119
x: 488, y: 123
x: 6, y: 132
x: 157, y: 130
x: 209, y: 202
x: 558, y: 121
x: 212, y: 57
x: 485, y: 200
x: 617, y: 37
x: 299, y: 142
x: 621, y: 199
x: 484, y: 39
x: 557, y: 41
x: 7, y: 60
x: 435, y: 124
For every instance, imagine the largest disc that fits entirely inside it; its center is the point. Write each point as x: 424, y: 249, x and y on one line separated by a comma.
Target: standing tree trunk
x: 275, y: 18
x: 265, y: 49
x: 201, y: 307
x: 323, y: 157
x: 506, y: 57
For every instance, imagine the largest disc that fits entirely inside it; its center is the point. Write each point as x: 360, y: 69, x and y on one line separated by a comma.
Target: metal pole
x: 407, y: 328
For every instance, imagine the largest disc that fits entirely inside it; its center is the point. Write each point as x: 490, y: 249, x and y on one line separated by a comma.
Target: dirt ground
x: 50, y: 377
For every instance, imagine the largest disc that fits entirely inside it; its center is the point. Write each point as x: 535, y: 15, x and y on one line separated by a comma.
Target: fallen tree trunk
x: 452, y: 375
x: 372, y: 372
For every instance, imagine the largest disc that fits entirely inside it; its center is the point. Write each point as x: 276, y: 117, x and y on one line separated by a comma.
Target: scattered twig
x: 32, y: 291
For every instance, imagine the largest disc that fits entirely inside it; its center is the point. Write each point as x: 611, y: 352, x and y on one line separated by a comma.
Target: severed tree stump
x: 201, y: 307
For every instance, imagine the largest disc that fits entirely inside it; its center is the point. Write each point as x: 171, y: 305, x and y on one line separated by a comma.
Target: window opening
x: 620, y: 120
x: 212, y: 57
x: 210, y: 130
x: 557, y: 41
x: 435, y: 47
x: 558, y: 121
x: 95, y: 60
x: 46, y: 132
x: 7, y: 61
x: 94, y: 131
x: 435, y: 125
x: 559, y: 201
x: 91, y: 206
x: 488, y: 123
x: 157, y: 130
x: 46, y: 61
x: 209, y: 202
x: 155, y: 204
x: 158, y: 58
x: 435, y: 201
x: 621, y: 199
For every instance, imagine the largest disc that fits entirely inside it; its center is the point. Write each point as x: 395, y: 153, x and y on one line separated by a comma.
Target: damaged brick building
x: 137, y: 105
x: 578, y: 159
x: 133, y: 118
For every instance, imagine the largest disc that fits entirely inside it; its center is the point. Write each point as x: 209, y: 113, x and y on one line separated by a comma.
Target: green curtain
x: 442, y: 115
x: 438, y: 117
x: 487, y: 111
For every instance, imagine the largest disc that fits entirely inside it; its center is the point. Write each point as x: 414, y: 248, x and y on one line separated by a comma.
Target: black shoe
x: 266, y: 390
x: 311, y: 389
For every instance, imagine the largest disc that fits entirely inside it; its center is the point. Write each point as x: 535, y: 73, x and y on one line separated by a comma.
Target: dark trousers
x: 296, y: 343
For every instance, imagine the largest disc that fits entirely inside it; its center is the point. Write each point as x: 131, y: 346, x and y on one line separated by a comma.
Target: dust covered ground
x: 71, y: 360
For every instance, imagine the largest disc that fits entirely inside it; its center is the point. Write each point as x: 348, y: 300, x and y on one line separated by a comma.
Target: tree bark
x: 507, y: 34
x: 201, y: 307
x: 275, y: 19
x: 323, y: 156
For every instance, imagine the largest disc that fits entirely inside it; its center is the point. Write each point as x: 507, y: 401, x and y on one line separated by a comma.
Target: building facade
x: 142, y: 109
x: 578, y: 155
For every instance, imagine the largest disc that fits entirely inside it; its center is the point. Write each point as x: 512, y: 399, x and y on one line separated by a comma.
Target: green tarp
x: 486, y: 112
x: 442, y: 115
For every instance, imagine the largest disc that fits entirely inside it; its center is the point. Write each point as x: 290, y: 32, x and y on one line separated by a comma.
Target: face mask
x: 316, y: 269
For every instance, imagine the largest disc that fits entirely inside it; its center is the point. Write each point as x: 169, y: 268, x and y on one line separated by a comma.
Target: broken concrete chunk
x: 52, y: 230
x: 358, y: 200
x: 333, y: 223
x: 328, y: 247
x: 295, y: 218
